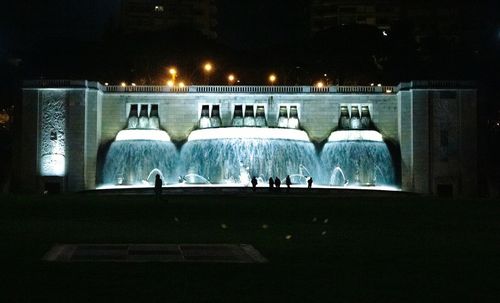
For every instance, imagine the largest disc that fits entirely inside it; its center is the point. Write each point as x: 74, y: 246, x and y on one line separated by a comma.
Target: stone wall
x: 179, y: 113
x: 433, y: 129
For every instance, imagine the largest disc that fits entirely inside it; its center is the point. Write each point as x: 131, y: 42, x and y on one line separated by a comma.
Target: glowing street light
x: 170, y: 83
x: 320, y: 84
x: 133, y: 84
x: 207, y: 68
x: 181, y: 84
x: 230, y: 79
x: 123, y: 84
x: 272, y: 78
x: 173, y: 72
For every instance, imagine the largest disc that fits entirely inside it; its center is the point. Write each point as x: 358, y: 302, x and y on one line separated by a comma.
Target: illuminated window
x: 159, y: 8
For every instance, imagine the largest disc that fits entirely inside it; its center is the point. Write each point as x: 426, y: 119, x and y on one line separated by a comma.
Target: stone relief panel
x: 52, y: 133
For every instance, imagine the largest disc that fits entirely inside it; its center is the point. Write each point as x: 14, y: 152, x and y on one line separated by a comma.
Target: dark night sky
x: 24, y: 22
x: 244, y: 24
x: 241, y: 24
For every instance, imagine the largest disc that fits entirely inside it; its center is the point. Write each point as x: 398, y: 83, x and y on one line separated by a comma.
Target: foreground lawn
x: 320, y: 248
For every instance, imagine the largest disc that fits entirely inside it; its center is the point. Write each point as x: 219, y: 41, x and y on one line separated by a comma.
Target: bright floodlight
x: 320, y: 84
x: 355, y: 135
x: 248, y: 133
x: 172, y: 71
x: 142, y: 134
x: 230, y: 77
x: 181, y: 84
x: 123, y: 84
x: 170, y: 83
x: 207, y: 67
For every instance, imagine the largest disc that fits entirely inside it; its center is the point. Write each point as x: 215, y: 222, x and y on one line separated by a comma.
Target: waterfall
x: 362, y: 157
x: 223, y: 158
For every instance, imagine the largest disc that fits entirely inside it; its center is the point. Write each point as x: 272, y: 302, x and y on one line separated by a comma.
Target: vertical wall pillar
x: 76, y: 139
x: 92, y: 136
x: 421, y: 136
x: 405, y: 136
x: 83, y: 125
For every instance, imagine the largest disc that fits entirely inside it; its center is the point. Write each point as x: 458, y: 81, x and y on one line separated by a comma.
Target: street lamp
x: 181, y: 84
x: 230, y: 79
x: 172, y: 71
x: 272, y: 78
x: 170, y: 83
x: 207, y: 68
x: 320, y: 84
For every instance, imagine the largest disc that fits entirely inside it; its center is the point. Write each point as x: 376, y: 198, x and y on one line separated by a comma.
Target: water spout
x: 154, y: 120
x: 260, y: 117
x: 283, y: 117
x: 153, y: 174
x: 215, y: 120
x: 237, y: 116
x: 335, y: 179
x: 133, y: 120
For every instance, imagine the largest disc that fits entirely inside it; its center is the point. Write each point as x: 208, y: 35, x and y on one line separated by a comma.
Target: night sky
x: 241, y: 24
x: 27, y: 27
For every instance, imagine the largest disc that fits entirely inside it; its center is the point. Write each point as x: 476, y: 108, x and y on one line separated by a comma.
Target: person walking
x: 309, y: 182
x: 158, y: 186
x: 254, y: 183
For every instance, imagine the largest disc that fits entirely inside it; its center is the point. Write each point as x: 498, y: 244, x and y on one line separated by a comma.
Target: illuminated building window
x: 159, y: 8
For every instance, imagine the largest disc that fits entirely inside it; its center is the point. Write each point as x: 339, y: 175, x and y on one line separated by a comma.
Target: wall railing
x: 250, y: 89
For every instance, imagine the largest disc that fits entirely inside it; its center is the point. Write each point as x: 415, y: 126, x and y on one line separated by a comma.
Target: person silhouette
x: 288, y: 182
x: 254, y: 183
x: 309, y: 182
x: 158, y: 186
x: 277, y: 182
x: 271, y: 183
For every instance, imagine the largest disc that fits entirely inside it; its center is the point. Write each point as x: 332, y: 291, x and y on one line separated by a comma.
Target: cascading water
x: 356, y: 157
x: 130, y: 160
x: 235, y: 154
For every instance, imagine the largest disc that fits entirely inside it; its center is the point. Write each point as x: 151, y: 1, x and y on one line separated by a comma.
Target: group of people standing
x: 276, y: 182
x: 273, y: 183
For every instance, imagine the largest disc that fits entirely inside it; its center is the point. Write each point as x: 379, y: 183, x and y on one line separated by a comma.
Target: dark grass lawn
x: 342, y: 249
